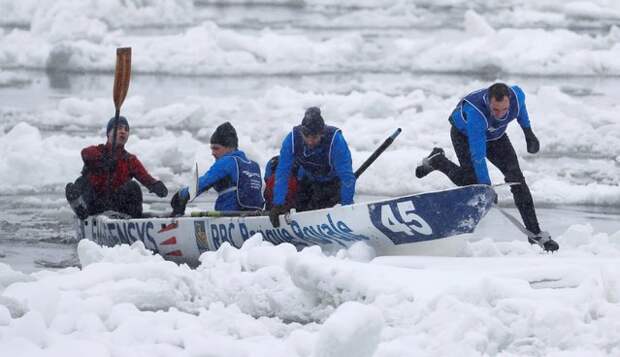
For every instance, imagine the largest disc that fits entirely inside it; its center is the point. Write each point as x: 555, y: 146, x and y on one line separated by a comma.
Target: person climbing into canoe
x: 236, y: 179
x: 107, y: 181
x: 323, y: 159
x: 478, y: 132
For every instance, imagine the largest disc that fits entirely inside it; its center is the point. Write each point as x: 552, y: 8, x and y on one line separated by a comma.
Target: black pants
x: 502, y: 155
x: 126, y: 199
x: 313, y: 195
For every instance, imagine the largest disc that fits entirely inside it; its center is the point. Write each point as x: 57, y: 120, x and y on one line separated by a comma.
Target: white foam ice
x: 274, y: 300
x: 575, y: 166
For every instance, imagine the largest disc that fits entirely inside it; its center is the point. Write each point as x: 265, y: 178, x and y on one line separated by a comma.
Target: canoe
x: 383, y: 224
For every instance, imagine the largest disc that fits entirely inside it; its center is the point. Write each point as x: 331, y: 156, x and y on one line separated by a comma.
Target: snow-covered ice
x: 271, y: 300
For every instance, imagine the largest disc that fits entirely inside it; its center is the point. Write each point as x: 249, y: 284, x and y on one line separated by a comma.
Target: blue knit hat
x: 122, y: 121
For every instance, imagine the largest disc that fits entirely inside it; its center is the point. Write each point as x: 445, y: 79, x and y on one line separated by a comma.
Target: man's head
x: 122, y: 131
x: 312, y: 126
x: 499, y: 100
x: 223, y: 140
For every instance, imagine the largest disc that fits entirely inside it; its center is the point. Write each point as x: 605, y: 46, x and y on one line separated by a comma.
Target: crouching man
x: 322, y: 161
x: 107, y: 177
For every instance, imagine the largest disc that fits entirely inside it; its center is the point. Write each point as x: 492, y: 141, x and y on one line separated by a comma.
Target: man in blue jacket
x: 325, y: 169
x: 478, y: 133
x: 236, y: 179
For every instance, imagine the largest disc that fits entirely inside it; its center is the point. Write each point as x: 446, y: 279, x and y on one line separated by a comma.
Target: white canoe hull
x: 383, y: 224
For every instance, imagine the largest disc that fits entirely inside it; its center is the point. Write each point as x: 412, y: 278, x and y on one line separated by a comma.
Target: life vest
x: 249, y: 187
x: 316, y: 161
x: 480, y: 101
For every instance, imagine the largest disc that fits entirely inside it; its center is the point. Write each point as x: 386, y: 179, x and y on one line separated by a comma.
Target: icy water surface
x: 37, y: 231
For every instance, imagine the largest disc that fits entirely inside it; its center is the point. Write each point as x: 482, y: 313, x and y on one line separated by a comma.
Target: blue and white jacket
x: 472, y: 117
x: 237, y: 181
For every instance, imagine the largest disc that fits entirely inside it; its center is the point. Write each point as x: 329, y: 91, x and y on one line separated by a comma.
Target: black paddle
x: 377, y: 152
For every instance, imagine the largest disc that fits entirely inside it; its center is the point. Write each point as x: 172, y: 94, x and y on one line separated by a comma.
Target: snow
x: 272, y: 300
x: 70, y: 17
x: 353, y: 329
x: 77, y: 35
x: 366, y: 118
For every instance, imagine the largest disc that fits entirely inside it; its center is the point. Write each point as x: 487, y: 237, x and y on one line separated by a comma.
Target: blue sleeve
x: 222, y: 168
x: 523, y: 119
x: 283, y: 171
x: 342, y: 163
x: 476, y: 136
x: 184, y: 192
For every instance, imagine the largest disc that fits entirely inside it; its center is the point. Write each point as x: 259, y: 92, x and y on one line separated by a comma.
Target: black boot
x: 127, y: 199
x: 543, y: 239
x: 426, y: 166
x: 76, y: 201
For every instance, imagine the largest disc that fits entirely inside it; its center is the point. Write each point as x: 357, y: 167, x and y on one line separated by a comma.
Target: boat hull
x: 383, y: 224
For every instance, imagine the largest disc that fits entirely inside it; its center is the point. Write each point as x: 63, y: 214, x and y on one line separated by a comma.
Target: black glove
x: 532, y: 142
x: 274, y: 214
x: 178, y: 204
x: 159, y: 189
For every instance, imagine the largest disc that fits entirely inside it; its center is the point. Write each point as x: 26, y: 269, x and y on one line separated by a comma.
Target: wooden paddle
x: 122, y: 74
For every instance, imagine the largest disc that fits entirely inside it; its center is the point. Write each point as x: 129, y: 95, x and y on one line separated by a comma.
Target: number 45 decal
x: 409, y: 222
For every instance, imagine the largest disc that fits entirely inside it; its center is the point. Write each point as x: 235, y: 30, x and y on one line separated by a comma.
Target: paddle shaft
x: 230, y: 213
x: 377, y: 152
x: 122, y: 74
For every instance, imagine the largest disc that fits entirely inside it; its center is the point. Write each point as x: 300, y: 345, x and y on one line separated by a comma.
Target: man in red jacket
x: 106, y: 182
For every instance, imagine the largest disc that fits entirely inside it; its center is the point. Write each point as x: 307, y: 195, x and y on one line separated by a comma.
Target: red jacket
x: 290, y: 195
x: 127, y: 167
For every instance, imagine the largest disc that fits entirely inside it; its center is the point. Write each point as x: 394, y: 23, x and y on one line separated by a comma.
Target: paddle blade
x: 193, y: 185
x: 122, y: 74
